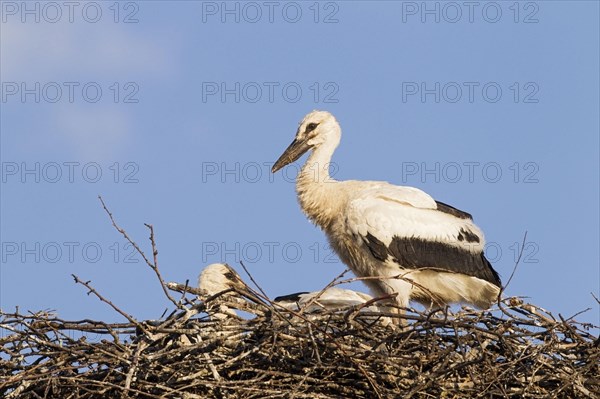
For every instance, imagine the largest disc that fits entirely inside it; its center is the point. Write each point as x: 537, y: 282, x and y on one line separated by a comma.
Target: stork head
x: 317, y: 128
x: 217, y: 278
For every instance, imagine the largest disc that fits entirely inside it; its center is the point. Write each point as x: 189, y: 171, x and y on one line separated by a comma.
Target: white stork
x: 220, y: 277
x: 331, y: 298
x: 419, y: 248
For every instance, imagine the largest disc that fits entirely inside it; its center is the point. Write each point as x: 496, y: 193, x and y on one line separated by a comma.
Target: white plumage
x: 331, y: 298
x: 220, y: 278
x: 217, y: 278
x: 387, y: 211
x: 420, y: 248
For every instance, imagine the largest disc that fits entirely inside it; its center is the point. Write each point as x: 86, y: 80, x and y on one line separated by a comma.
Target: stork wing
x: 331, y: 298
x: 405, y: 226
x: 338, y: 297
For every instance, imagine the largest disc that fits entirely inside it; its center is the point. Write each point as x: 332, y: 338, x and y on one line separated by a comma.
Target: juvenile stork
x: 335, y: 299
x: 408, y: 243
x: 221, y: 282
x: 221, y: 279
x: 331, y: 298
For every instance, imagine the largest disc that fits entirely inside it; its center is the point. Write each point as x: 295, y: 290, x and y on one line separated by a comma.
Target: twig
x: 91, y: 289
x: 515, y: 267
x: 134, y: 363
x: 254, y: 281
x: 153, y: 266
x: 331, y: 284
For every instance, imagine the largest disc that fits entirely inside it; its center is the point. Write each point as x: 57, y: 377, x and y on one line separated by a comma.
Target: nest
x: 517, y: 351
x: 203, y: 349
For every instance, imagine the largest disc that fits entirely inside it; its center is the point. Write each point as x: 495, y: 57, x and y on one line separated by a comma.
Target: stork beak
x: 292, y: 153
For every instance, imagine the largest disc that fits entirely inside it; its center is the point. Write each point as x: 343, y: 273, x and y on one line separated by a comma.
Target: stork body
x: 331, y: 298
x: 221, y: 279
x: 410, y: 244
x: 336, y: 299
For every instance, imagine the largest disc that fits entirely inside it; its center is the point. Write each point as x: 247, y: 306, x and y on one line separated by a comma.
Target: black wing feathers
x: 453, y: 211
x: 290, y: 297
x: 416, y: 253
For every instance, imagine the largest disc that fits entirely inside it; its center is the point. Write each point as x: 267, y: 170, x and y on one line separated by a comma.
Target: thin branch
x: 515, y: 267
x: 92, y: 290
x: 152, y: 265
x: 254, y: 281
x: 331, y: 284
x: 132, y: 368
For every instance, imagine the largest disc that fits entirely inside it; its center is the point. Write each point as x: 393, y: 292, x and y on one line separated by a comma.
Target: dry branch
x: 519, y: 351
x: 516, y: 350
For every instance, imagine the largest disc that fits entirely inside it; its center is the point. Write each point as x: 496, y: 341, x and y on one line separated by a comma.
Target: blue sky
x: 175, y: 112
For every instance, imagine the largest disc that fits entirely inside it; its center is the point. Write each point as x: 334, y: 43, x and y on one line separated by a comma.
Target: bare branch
x: 516, y: 265
x: 92, y: 290
x: 153, y: 265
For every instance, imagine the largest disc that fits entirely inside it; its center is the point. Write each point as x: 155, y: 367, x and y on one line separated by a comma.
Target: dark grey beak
x: 292, y: 153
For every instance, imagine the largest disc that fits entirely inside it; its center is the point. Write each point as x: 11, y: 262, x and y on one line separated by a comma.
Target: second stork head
x: 318, y: 129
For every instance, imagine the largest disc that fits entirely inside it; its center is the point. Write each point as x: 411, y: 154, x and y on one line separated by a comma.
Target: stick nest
x: 197, y: 351
x: 203, y: 349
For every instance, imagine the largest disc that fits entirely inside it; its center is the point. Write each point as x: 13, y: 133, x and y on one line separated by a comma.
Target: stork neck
x: 316, y: 188
x: 316, y: 168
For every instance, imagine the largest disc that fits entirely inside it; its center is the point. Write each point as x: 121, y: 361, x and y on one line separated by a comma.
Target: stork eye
x: 310, y: 127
